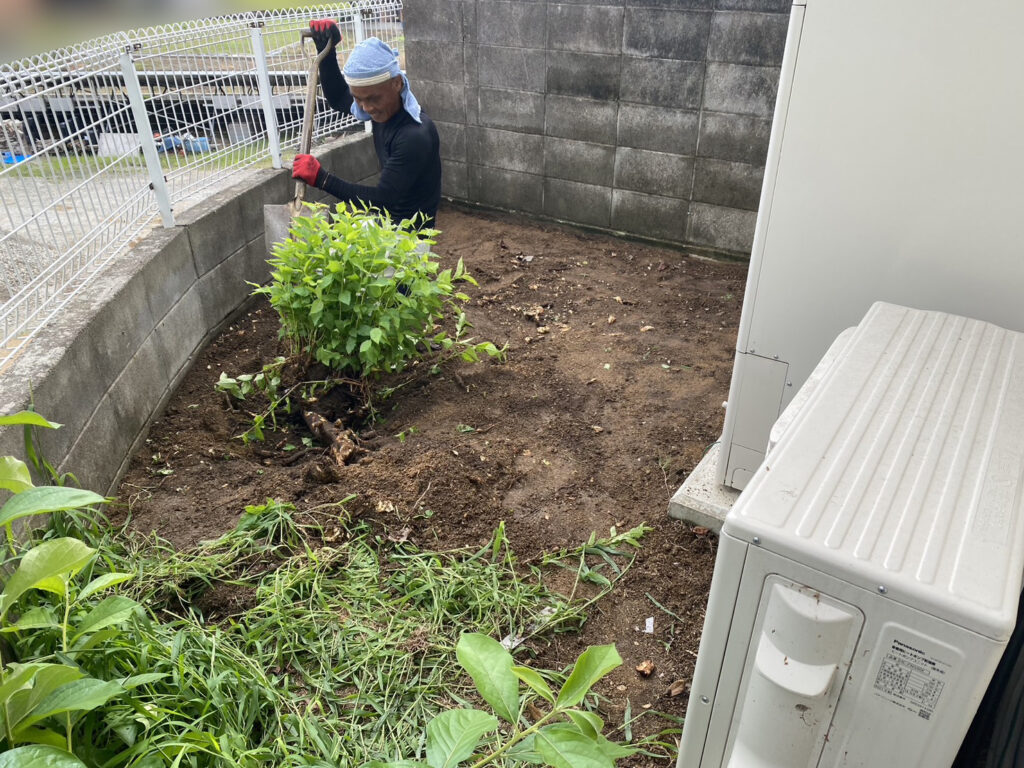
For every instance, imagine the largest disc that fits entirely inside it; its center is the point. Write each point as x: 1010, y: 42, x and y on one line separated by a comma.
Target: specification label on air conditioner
x: 911, y: 678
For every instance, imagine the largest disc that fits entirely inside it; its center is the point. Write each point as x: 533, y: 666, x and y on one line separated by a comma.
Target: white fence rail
x: 100, y: 140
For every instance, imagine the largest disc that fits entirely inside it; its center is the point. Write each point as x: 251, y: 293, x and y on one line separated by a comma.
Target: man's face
x: 382, y: 101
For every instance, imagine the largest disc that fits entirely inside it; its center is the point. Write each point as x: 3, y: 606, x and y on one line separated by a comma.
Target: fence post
x: 360, y: 35
x: 259, y: 52
x: 144, y: 128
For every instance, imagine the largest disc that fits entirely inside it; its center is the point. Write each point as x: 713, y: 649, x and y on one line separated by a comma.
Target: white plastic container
x: 868, y: 577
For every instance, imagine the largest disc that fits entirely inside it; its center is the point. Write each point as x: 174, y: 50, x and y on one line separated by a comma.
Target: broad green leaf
x: 42, y: 736
x: 490, y: 666
x: 111, y: 610
x: 590, y: 725
x: 57, y: 558
x: 136, y: 680
x: 526, y: 751
x: 29, y: 418
x: 17, y: 676
x: 14, y: 475
x: 34, y: 618
x: 105, y: 581
x: 452, y: 736
x: 44, y: 499
x: 77, y: 696
x: 37, y: 756
x: 399, y: 764
x: 593, y: 664
x: 376, y: 335
x: 533, y: 679
x: 615, y: 750
x: 562, y: 746
x: 23, y: 704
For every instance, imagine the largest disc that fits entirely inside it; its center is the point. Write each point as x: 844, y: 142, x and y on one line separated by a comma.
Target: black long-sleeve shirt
x: 409, y: 154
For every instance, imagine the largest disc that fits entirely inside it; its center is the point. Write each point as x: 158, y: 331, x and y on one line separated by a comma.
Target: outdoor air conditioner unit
x: 868, y: 578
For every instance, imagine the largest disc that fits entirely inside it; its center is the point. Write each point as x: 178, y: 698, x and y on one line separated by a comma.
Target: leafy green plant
x: 566, y: 736
x: 341, y: 652
x: 356, y: 292
x: 268, y: 383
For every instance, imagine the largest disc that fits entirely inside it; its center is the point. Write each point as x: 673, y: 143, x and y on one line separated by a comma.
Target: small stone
x: 611, y: 319
x: 620, y: 688
x: 597, y: 429
x: 646, y: 328
x: 645, y: 668
x: 543, y: 329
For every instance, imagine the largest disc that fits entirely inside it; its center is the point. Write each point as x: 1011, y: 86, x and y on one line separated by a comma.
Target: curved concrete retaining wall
x: 107, y: 366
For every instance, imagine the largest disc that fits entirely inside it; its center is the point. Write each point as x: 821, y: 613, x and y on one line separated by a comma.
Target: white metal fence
x: 99, y: 140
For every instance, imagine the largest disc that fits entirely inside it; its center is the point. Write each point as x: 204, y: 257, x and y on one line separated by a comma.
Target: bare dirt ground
x: 619, y: 358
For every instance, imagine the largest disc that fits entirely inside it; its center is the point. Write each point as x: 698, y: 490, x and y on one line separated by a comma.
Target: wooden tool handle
x: 306, y: 137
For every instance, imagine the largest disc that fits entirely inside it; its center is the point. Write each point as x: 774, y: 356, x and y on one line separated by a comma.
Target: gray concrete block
x: 661, y: 218
x: 224, y: 289
x: 453, y: 140
x: 120, y: 417
x: 511, y: 151
x: 657, y: 173
x: 515, y: 68
x: 766, y: 6
x: 590, y: 75
x: 516, y: 110
x: 518, y: 24
x: 701, y: 500
x: 580, y: 119
x: 727, y: 229
x: 215, y: 229
x: 180, y: 334
x: 469, y: 22
x: 679, y: 5
x: 471, y: 64
x: 666, y: 33
x: 455, y: 180
x: 658, y: 128
x: 266, y: 186
x: 734, y: 185
x: 579, y: 161
x: 506, y: 189
x: 472, y: 105
x: 741, y: 138
x: 434, y: 60
x: 433, y: 20
x: 662, y: 82
x: 585, y: 28
x: 577, y: 203
x: 747, y: 38
x: 351, y: 158
x: 741, y: 89
x: 443, y: 101
x: 163, y: 263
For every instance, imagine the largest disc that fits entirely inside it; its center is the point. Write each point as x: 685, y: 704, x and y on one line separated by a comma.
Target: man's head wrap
x: 373, y: 62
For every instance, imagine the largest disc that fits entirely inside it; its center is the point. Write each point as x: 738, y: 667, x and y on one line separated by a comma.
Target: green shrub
x: 355, y: 291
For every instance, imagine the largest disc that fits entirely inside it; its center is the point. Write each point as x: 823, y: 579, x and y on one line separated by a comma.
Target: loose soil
x: 619, y: 358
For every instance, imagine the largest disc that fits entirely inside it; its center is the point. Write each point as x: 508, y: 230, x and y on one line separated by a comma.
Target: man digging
x: 372, y: 87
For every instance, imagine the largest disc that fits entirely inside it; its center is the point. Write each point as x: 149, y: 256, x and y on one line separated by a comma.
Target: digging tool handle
x: 306, y: 137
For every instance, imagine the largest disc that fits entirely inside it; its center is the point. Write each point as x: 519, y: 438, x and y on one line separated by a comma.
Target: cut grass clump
x: 340, y: 654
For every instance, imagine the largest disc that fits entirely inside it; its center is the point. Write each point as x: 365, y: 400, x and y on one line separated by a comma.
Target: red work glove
x: 324, y: 30
x: 306, y: 168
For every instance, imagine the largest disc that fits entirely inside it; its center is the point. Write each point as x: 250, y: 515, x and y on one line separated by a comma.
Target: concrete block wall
x: 644, y: 116
x: 109, y: 363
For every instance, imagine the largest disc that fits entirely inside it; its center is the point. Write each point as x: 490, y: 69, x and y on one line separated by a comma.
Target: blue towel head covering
x: 373, y: 61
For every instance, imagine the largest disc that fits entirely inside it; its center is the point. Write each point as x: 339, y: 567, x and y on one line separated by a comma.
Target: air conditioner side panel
x: 906, y: 699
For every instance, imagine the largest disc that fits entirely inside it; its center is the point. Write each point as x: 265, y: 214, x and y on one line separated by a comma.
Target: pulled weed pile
x: 297, y: 639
